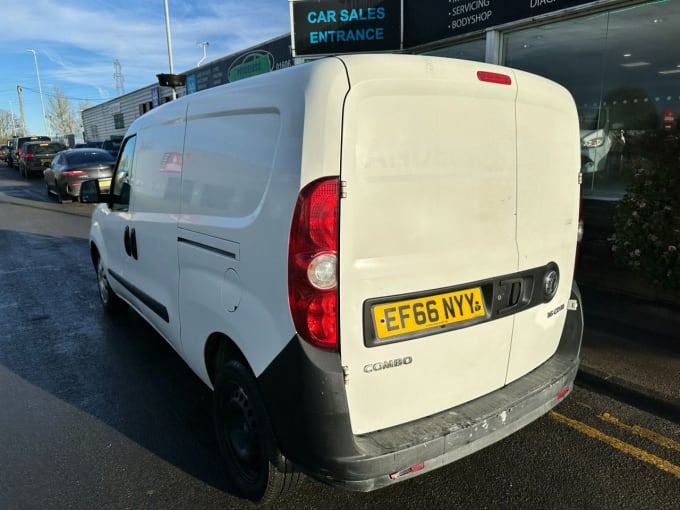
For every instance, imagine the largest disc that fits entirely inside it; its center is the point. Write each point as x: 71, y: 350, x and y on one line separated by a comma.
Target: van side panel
x: 429, y: 170
x: 548, y: 161
x: 250, y: 147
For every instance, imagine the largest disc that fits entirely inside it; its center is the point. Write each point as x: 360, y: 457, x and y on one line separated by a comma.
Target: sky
x: 77, y: 41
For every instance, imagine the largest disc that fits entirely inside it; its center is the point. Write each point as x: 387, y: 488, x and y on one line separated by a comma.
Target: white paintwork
x: 547, y: 212
x: 448, y: 180
x: 429, y: 161
x: 451, y: 181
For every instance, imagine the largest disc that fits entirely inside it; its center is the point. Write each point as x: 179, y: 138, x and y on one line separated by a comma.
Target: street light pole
x: 42, y: 102
x: 203, y: 45
x: 169, y: 38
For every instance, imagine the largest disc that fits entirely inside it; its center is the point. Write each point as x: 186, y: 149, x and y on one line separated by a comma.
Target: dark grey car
x: 35, y: 156
x: 71, y: 167
x: 17, y: 143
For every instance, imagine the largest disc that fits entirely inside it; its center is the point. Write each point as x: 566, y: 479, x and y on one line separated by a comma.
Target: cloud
x: 82, y: 38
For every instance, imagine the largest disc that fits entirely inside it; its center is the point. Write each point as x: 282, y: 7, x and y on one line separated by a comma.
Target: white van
x: 368, y: 258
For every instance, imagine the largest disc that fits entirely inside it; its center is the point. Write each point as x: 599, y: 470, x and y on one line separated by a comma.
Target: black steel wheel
x: 256, y: 469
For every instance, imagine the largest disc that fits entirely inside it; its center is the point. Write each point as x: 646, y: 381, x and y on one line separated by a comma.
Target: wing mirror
x: 90, y: 192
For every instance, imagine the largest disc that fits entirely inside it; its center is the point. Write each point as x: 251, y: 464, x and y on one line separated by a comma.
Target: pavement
x: 631, y: 350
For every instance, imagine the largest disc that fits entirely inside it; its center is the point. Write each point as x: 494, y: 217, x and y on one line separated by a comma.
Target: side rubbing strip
x: 150, y: 302
x: 203, y: 246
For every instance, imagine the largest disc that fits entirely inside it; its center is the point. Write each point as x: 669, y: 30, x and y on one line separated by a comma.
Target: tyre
x: 246, y: 439
x: 110, y: 301
x: 61, y: 198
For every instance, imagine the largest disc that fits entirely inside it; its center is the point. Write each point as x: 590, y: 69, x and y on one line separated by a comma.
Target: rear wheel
x: 110, y: 301
x: 246, y: 439
x: 61, y: 198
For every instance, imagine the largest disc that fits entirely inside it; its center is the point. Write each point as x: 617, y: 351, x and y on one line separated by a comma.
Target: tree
x: 61, y: 116
x: 647, y: 219
x: 7, y: 127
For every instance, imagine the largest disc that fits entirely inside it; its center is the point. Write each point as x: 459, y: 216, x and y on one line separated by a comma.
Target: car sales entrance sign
x: 322, y: 27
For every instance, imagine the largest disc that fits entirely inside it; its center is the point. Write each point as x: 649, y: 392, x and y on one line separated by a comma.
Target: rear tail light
x: 313, y: 262
x: 28, y: 155
x: 74, y: 173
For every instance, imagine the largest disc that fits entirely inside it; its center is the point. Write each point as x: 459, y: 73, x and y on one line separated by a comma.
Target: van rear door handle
x: 510, y: 295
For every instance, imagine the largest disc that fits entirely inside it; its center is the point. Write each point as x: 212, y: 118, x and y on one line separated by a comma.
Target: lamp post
x: 42, y: 102
x: 169, y: 38
x: 203, y: 45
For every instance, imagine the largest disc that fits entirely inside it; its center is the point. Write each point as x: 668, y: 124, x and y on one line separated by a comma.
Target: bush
x: 647, y: 219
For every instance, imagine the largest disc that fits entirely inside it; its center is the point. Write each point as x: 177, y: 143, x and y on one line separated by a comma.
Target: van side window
x: 120, y: 194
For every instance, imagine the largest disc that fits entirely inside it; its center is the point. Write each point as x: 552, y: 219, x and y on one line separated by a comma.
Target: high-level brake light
x: 499, y: 78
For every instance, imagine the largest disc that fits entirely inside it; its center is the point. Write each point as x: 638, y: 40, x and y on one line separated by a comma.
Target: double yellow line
x: 638, y: 453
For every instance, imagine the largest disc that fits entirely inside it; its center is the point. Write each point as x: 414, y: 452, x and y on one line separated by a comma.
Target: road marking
x: 638, y: 453
x: 642, y: 432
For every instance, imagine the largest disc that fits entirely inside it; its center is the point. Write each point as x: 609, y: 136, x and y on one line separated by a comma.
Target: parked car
x: 88, y: 145
x: 599, y: 139
x: 4, y: 149
x: 113, y: 146
x: 11, y: 143
x: 17, y: 145
x: 35, y: 156
x: 70, y: 168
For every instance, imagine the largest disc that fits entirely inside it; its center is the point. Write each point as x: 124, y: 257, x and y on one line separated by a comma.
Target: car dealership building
x: 619, y: 59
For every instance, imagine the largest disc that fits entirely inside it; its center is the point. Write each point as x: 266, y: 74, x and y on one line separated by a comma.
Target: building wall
x: 99, y: 122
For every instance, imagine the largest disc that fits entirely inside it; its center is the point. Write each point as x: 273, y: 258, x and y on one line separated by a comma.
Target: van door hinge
x: 345, y: 374
x: 343, y: 189
x: 580, y: 177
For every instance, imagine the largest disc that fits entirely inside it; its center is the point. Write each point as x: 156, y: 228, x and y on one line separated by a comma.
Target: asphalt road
x: 97, y: 413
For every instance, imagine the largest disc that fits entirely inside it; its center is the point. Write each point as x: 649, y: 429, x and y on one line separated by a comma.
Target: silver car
x: 71, y: 167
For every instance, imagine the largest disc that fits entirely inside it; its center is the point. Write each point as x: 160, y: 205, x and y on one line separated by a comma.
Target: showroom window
x: 623, y: 69
x: 469, y: 50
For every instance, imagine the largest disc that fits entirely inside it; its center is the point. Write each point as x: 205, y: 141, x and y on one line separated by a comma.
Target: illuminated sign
x: 345, y: 26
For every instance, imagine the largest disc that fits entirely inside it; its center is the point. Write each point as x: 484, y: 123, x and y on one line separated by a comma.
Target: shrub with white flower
x: 647, y: 219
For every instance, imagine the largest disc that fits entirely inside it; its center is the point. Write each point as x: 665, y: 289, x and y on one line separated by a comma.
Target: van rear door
x: 548, y: 162
x: 429, y: 210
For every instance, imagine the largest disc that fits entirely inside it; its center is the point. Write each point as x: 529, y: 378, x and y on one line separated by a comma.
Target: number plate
x: 104, y: 183
x: 430, y: 312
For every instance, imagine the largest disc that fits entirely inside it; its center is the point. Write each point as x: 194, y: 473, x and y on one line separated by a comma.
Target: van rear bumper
x: 313, y: 429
